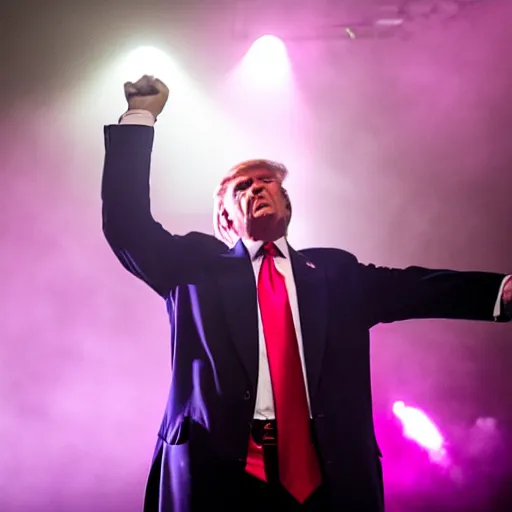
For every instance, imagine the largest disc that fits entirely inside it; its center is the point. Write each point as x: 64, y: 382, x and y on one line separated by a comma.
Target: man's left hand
x: 507, y: 293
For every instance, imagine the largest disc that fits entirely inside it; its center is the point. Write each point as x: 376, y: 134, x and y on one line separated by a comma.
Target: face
x: 256, y: 206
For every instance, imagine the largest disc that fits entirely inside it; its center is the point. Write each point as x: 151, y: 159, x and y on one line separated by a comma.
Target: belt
x: 264, y: 432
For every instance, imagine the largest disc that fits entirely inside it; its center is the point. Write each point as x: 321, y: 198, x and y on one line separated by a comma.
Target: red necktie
x: 299, y: 468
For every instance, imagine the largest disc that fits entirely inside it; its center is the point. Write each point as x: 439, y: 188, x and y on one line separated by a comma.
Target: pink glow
x: 399, y: 152
x: 418, y: 427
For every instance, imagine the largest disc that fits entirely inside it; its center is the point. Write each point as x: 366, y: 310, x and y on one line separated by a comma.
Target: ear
x: 225, y: 219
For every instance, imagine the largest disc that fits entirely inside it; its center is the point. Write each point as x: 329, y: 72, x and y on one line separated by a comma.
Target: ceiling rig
x: 343, y: 19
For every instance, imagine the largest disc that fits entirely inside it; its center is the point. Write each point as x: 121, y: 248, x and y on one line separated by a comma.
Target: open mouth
x: 260, y: 206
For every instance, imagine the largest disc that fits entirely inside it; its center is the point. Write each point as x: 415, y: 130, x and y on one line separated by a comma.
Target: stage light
x: 148, y: 60
x: 266, y: 63
x: 269, y: 45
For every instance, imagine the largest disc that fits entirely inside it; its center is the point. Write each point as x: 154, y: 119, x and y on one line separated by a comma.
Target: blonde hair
x: 220, y: 226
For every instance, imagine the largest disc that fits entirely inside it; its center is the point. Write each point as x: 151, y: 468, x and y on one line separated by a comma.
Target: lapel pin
x: 309, y: 264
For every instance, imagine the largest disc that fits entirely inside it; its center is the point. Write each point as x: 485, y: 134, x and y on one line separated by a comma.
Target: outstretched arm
x: 394, y: 294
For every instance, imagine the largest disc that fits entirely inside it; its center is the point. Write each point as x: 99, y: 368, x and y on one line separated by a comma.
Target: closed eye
x: 245, y: 184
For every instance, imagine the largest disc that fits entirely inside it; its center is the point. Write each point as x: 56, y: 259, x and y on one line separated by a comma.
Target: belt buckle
x: 269, y: 434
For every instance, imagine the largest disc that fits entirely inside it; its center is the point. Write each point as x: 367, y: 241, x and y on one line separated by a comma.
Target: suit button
x: 247, y: 395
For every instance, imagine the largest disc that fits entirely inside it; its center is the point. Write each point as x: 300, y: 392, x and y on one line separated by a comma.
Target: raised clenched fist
x: 147, y: 93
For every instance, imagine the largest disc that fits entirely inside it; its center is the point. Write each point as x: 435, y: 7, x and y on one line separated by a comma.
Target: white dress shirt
x: 264, y: 397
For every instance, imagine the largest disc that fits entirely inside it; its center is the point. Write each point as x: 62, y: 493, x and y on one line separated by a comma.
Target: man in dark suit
x: 270, y: 401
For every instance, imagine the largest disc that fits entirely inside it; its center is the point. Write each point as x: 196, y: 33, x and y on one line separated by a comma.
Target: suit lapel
x: 235, y: 277
x: 311, y: 285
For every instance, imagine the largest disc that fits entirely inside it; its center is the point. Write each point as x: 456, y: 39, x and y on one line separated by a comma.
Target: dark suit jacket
x: 210, y: 294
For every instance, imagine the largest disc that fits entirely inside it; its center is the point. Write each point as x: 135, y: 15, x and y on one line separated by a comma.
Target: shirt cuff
x: 498, y: 307
x: 137, y: 116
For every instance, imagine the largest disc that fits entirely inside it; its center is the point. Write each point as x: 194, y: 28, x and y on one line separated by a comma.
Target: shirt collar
x: 253, y: 246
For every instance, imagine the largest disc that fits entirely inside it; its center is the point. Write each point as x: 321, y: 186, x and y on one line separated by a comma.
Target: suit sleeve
x: 392, y: 295
x: 141, y: 244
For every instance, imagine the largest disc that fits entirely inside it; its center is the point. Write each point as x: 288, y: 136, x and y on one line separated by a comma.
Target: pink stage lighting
x: 418, y: 427
x: 266, y: 62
